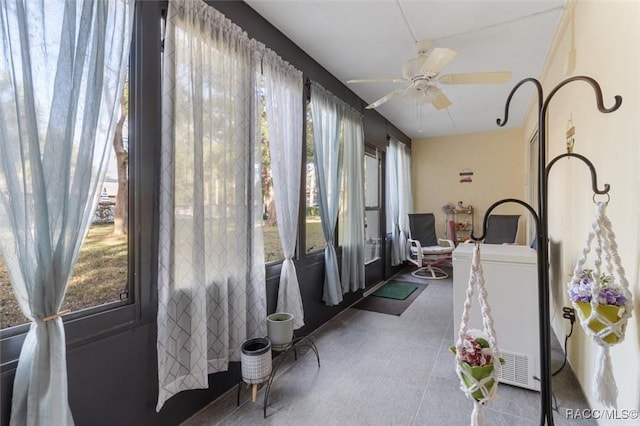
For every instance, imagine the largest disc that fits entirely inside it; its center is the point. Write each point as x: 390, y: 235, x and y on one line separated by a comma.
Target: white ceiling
x: 370, y: 39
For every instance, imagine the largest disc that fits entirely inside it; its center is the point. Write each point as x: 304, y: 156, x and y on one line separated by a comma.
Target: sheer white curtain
x: 328, y: 161
x: 353, y: 201
x: 61, y: 76
x: 399, y: 198
x: 211, y: 277
x: 405, y: 197
x: 392, y: 202
x: 284, y: 93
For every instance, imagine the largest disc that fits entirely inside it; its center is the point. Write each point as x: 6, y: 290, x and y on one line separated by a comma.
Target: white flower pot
x: 256, y: 360
x: 280, y: 330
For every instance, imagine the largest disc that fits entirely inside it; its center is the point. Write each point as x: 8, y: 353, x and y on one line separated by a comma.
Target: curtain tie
x: 54, y: 316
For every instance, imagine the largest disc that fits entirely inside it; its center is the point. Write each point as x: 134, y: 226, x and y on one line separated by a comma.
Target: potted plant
x: 611, y: 301
x: 477, y: 361
x: 280, y: 330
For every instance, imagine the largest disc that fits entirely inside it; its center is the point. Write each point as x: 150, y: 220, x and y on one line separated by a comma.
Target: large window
x: 100, y: 275
x: 111, y: 285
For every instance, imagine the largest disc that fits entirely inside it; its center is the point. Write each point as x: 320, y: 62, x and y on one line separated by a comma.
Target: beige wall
x: 496, y: 160
x: 607, y: 48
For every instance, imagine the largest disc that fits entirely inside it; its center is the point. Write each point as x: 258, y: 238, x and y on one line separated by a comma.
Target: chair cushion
x: 437, y: 250
x: 431, y: 250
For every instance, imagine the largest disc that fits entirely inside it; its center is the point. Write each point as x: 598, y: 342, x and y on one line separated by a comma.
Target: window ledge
x: 78, y: 331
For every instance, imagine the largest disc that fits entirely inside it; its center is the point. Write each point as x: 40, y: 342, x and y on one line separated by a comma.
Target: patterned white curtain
x: 62, y: 66
x: 328, y: 160
x: 353, y: 201
x: 284, y: 93
x: 399, y: 198
x: 211, y: 278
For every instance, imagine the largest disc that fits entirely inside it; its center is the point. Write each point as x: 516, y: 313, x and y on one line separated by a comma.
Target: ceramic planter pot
x: 478, y: 373
x: 610, y: 312
x: 280, y: 330
x: 256, y: 360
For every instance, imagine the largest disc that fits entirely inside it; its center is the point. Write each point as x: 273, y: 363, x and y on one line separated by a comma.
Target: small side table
x: 297, y: 344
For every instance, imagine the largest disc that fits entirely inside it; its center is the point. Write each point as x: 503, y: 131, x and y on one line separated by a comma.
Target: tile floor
x: 379, y: 369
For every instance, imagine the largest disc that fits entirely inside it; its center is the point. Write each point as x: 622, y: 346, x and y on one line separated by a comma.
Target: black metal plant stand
x: 296, y: 345
x: 541, y: 220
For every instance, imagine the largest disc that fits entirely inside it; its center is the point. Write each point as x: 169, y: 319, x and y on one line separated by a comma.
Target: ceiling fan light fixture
x: 413, y: 67
x: 422, y: 94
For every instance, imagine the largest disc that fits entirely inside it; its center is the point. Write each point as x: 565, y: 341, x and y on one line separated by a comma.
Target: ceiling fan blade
x: 386, y: 98
x: 476, y: 78
x: 378, y: 80
x: 437, y: 60
x: 440, y: 100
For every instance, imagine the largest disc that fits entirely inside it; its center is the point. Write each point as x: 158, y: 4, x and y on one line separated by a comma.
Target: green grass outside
x: 100, y: 274
x: 315, y: 237
x: 273, y: 248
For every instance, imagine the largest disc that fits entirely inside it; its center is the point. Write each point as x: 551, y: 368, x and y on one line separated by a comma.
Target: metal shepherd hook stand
x: 541, y: 219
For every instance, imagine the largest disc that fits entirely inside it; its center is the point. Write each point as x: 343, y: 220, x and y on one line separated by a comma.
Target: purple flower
x: 609, y: 295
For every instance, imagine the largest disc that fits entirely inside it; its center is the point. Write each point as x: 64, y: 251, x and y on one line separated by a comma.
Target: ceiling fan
x: 423, y: 72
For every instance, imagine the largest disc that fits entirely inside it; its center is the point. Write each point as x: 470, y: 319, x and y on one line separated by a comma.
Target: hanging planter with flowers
x: 610, y: 303
x: 603, y: 301
x: 478, y: 361
x: 476, y: 365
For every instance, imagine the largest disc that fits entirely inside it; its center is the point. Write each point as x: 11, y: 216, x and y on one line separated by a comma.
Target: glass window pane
x: 272, y: 245
x: 101, y: 272
x: 372, y: 240
x: 10, y: 313
x: 371, y: 181
x: 313, y: 226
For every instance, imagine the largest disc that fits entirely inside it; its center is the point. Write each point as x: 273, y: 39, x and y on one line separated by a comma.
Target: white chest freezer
x: 511, y: 280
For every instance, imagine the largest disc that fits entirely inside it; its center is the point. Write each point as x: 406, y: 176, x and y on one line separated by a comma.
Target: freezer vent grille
x: 517, y: 370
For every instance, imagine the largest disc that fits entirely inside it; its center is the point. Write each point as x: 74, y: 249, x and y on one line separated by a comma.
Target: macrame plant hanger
x: 541, y: 219
x: 605, y: 330
x: 481, y: 388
